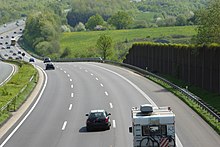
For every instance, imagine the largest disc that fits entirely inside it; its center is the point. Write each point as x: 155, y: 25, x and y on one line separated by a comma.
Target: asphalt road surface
x: 73, y: 89
x: 6, y: 70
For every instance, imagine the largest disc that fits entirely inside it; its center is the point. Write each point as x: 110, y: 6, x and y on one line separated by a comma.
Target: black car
x: 98, y: 119
x: 50, y: 66
x: 31, y: 60
x: 47, y: 59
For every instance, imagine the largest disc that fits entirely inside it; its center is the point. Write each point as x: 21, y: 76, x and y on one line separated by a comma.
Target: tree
x: 209, y: 24
x: 120, y: 20
x: 181, y: 20
x: 104, y: 45
x: 94, y: 21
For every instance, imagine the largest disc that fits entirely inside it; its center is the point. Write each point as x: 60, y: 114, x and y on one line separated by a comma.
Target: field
x: 82, y: 43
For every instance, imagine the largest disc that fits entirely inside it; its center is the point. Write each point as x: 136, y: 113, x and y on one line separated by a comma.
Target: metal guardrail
x: 145, y: 72
x: 182, y: 90
x: 13, y: 100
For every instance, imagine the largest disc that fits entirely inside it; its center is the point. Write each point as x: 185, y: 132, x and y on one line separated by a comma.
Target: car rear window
x: 97, y: 115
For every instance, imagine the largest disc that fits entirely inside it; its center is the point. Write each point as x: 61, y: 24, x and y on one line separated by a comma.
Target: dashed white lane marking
x: 97, y: 79
x: 101, y: 85
x: 64, y: 71
x: 80, y: 68
x: 71, y: 86
x: 71, y: 80
x: 70, y: 107
x: 91, y: 74
x: 179, y: 144
x: 68, y: 75
x: 113, y: 123
x: 72, y: 94
x: 86, y: 70
x: 106, y: 93
x: 64, y: 125
x: 61, y: 69
x: 111, y: 106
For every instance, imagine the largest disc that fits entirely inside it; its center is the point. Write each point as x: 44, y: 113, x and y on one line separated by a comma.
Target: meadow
x: 83, y: 44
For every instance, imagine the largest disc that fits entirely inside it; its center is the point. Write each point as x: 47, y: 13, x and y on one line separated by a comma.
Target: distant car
x: 98, y: 119
x: 6, y: 55
x: 8, y: 47
x: 31, y: 60
x: 14, y: 54
x: 50, y: 66
x: 10, y: 57
x: 47, y: 59
x: 7, y: 36
x: 11, y: 51
x: 1, y: 43
x: 19, y: 52
x: 3, y: 47
x: 1, y: 37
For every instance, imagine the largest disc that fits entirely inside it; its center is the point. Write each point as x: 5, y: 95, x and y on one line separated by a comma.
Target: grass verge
x: 192, y: 104
x: 17, y: 89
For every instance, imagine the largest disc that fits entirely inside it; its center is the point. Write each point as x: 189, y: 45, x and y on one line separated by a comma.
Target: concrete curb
x: 16, y: 116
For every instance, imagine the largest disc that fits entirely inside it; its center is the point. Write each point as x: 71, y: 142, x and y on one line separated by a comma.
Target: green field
x: 83, y: 44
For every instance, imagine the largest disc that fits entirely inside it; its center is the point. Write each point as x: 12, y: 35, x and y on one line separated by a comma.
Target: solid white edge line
x: 70, y: 107
x: 113, y: 123
x: 64, y: 125
x: 29, y: 112
x: 178, y: 142
x: 13, y: 69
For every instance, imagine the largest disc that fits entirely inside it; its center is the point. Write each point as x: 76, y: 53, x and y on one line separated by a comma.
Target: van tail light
x: 106, y: 120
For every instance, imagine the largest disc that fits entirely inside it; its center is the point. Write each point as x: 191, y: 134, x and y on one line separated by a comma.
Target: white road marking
x: 70, y: 107
x: 86, y: 70
x: 13, y: 69
x: 29, y: 112
x: 71, y: 80
x: 101, y: 85
x: 113, y: 123
x: 61, y: 69
x: 72, y: 94
x: 64, y: 125
x: 97, y: 79
x: 111, y: 106
x: 91, y: 74
x: 71, y: 86
x: 106, y: 93
x: 179, y: 144
x: 64, y: 71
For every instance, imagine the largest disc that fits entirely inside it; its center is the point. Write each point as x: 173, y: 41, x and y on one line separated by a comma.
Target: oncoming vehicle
x: 153, y: 126
x: 98, y: 119
x: 50, y: 66
x: 47, y: 59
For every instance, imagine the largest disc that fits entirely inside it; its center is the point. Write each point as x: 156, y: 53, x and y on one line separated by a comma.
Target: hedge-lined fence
x: 197, y: 65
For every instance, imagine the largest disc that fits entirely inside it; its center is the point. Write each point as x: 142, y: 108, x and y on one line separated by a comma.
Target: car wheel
x: 108, y: 128
x: 88, y: 129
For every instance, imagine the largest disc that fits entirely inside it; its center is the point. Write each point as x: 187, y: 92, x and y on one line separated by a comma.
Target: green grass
x: 13, y: 88
x: 81, y: 43
x: 203, y: 113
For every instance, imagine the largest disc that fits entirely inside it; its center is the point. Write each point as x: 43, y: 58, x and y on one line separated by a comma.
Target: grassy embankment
x: 19, y: 86
x: 83, y: 43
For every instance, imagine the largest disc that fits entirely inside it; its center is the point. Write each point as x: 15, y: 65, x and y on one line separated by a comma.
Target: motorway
x: 73, y: 89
